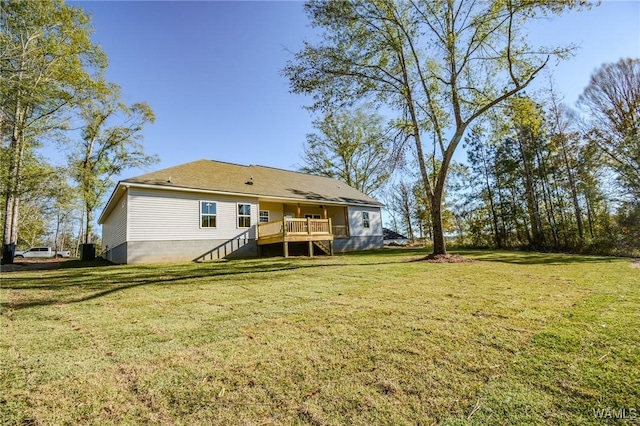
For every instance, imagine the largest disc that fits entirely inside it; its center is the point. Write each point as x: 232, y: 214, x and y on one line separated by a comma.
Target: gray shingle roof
x: 216, y: 176
x: 388, y: 234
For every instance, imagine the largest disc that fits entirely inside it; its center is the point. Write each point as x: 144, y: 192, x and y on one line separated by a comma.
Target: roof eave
x: 112, y: 199
x: 243, y: 194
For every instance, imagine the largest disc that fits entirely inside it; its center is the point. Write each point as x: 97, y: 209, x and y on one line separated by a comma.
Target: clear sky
x: 211, y: 70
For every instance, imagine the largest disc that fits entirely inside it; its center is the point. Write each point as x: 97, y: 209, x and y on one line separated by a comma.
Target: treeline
x: 54, y: 95
x: 544, y: 176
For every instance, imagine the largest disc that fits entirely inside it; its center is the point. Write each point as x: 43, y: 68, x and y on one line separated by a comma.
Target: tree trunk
x: 88, y: 225
x: 80, y: 236
x: 574, y: 190
x: 506, y: 224
x: 494, y: 216
x: 439, y: 244
x: 56, y: 242
x: 589, y: 216
x: 534, y: 215
x: 12, y: 200
x: 546, y: 195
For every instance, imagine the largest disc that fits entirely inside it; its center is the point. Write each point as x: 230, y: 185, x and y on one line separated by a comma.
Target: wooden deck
x: 286, y: 230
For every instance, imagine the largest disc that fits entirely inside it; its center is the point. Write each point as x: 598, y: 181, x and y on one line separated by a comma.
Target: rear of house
x: 210, y: 210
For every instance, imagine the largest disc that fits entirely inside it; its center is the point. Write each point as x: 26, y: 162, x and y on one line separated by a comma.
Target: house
x: 211, y: 209
x: 392, y: 238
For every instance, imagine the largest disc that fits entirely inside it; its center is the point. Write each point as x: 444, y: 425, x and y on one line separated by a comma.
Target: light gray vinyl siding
x: 356, y: 228
x: 156, y: 215
x: 114, y: 228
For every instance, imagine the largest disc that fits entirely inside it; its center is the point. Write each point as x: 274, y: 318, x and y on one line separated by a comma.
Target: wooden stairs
x: 325, y: 248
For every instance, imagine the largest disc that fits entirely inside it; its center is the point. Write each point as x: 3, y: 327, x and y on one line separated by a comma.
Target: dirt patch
x: 636, y: 264
x: 444, y: 258
x: 33, y: 264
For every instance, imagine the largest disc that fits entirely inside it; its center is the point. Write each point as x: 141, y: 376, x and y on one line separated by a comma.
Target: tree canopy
x: 438, y: 64
x: 51, y: 73
x: 352, y: 146
x: 47, y: 64
x: 111, y: 143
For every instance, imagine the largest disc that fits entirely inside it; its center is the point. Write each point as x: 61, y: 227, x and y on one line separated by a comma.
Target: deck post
x: 346, y: 221
x: 310, y: 248
x: 286, y: 249
x: 331, y: 247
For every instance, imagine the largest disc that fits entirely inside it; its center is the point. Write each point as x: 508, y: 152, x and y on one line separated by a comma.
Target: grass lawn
x: 371, y: 338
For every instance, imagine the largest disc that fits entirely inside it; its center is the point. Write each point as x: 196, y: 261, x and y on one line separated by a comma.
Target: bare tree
x: 612, y: 99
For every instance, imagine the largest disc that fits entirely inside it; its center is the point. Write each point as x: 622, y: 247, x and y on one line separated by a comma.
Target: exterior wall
x: 312, y: 210
x: 189, y: 250
x: 356, y: 226
x: 116, y: 254
x: 338, y: 215
x: 150, y: 225
x: 114, y: 229
x: 275, y: 210
x: 162, y: 215
x: 361, y: 238
x: 343, y: 245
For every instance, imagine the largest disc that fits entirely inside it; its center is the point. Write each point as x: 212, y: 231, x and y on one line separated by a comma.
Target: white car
x: 42, y: 252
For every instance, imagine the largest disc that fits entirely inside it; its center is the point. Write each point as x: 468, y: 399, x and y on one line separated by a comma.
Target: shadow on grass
x: 60, y: 287
x: 491, y: 255
x: 75, y: 264
x: 116, y: 280
x: 26, y: 265
x: 532, y: 258
x: 84, y: 281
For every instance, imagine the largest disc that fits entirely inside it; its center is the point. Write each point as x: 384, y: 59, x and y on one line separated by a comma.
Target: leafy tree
x: 352, y: 147
x: 439, y: 64
x: 481, y: 158
x: 589, y: 181
x: 46, y: 60
x: 62, y: 213
x: 111, y: 143
x: 527, y: 120
x: 40, y: 187
x: 560, y: 119
x: 534, y: 174
x: 612, y: 99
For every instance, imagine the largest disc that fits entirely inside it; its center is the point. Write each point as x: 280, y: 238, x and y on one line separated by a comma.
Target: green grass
x: 370, y: 338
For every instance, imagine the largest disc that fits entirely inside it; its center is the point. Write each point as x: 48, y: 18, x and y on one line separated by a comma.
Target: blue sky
x: 211, y: 71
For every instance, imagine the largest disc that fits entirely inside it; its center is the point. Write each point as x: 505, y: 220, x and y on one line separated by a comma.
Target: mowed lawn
x: 372, y: 338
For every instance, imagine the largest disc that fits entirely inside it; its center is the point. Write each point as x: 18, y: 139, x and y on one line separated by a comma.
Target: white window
x: 264, y: 216
x: 244, y: 215
x: 365, y: 219
x: 207, y: 214
x: 312, y: 216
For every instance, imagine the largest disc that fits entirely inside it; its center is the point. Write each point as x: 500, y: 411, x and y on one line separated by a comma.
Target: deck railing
x: 270, y: 228
x: 294, y: 226
x: 340, y: 231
